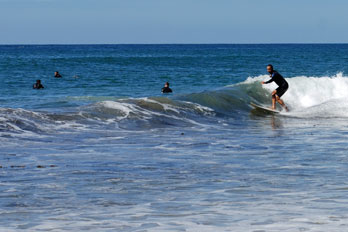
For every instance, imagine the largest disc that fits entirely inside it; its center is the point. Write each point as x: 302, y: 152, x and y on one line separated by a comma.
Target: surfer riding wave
x: 282, y: 87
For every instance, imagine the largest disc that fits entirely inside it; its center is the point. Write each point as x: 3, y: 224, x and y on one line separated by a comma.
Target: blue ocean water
x: 102, y: 149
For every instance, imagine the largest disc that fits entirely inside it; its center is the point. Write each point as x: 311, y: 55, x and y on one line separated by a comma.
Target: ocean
x: 102, y: 149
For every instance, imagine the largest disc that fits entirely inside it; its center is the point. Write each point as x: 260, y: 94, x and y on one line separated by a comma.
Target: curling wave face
x: 307, y: 97
x: 311, y: 97
x: 314, y: 97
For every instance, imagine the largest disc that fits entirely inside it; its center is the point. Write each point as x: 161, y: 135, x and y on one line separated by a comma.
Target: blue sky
x: 172, y: 21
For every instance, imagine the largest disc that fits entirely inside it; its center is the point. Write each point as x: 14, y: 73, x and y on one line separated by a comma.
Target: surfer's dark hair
x: 270, y: 66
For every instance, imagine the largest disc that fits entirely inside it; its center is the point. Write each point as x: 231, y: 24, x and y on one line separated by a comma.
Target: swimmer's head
x: 166, y: 84
x: 270, y: 68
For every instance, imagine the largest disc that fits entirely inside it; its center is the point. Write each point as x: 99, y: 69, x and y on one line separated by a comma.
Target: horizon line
x: 290, y: 43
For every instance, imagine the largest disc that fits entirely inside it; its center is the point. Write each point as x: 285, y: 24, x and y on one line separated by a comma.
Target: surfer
x: 57, y: 74
x: 38, y: 85
x: 282, y: 87
x: 166, y: 88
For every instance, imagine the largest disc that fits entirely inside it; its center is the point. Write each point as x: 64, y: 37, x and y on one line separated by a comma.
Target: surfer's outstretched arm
x: 267, y: 82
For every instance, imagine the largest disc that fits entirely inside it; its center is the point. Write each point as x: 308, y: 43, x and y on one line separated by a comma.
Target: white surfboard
x: 263, y: 108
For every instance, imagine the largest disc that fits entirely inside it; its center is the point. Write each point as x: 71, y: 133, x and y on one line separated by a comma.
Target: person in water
x: 166, y: 88
x: 282, y: 87
x: 38, y: 85
x: 57, y: 74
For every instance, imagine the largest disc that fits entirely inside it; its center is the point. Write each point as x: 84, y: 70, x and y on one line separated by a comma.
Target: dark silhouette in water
x: 166, y: 88
x: 57, y: 74
x: 38, y: 85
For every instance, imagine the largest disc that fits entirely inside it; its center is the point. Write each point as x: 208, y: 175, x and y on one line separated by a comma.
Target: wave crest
x: 307, y: 97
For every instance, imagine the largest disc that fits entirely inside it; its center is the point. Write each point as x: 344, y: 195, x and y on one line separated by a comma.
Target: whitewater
x: 313, y: 96
x: 108, y: 152
x: 308, y: 97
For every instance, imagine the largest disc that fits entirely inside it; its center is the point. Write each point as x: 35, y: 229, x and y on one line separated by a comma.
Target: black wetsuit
x: 166, y: 90
x: 280, y: 81
x: 38, y: 86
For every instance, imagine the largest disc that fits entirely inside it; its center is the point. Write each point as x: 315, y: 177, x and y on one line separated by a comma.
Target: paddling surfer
x: 38, y: 85
x: 282, y: 87
x: 166, y: 88
x: 57, y: 74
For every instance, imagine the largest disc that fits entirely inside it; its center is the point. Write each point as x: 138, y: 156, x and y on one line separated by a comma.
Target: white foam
x: 313, y: 96
x: 125, y: 108
x: 134, y: 110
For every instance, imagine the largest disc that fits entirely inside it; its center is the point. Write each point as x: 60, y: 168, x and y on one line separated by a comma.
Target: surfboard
x: 263, y: 108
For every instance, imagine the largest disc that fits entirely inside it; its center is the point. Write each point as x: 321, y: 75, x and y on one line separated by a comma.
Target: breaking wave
x: 307, y: 97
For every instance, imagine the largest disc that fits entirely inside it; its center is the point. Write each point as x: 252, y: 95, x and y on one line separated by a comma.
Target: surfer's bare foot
x: 286, y: 109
